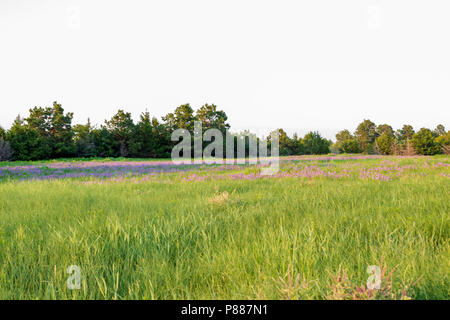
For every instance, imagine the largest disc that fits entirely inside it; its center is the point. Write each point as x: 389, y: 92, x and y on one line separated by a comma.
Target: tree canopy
x: 47, y: 132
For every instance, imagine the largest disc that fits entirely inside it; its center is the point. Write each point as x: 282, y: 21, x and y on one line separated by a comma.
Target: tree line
x: 48, y: 133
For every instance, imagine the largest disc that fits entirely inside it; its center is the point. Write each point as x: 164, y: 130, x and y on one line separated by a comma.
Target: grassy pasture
x: 175, y: 236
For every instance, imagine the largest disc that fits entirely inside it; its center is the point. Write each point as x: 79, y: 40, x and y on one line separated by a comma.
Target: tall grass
x: 238, y: 239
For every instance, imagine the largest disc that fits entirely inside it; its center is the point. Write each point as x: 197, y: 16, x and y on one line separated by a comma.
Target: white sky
x: 301, y: 65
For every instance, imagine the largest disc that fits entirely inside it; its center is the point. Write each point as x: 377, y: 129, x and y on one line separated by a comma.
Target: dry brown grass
x: 446, y: 149
x: 221, y: 199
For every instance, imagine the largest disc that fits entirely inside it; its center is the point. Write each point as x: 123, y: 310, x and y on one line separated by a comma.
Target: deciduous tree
x: 366, y: 134
x: 424, y: 142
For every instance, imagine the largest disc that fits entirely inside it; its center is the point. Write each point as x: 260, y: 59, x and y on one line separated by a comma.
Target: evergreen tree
x: 83, y: 140
x: 121, y: 127
x: 366, y: 134
x: 144, y: 143
x: 27, y: 143
x: 315, y: 144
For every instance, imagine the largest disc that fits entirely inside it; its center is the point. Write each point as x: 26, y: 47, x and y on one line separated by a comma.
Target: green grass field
x: 288, y: 237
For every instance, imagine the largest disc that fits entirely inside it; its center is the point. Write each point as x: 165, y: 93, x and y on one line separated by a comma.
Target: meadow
x: 141, y: 229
